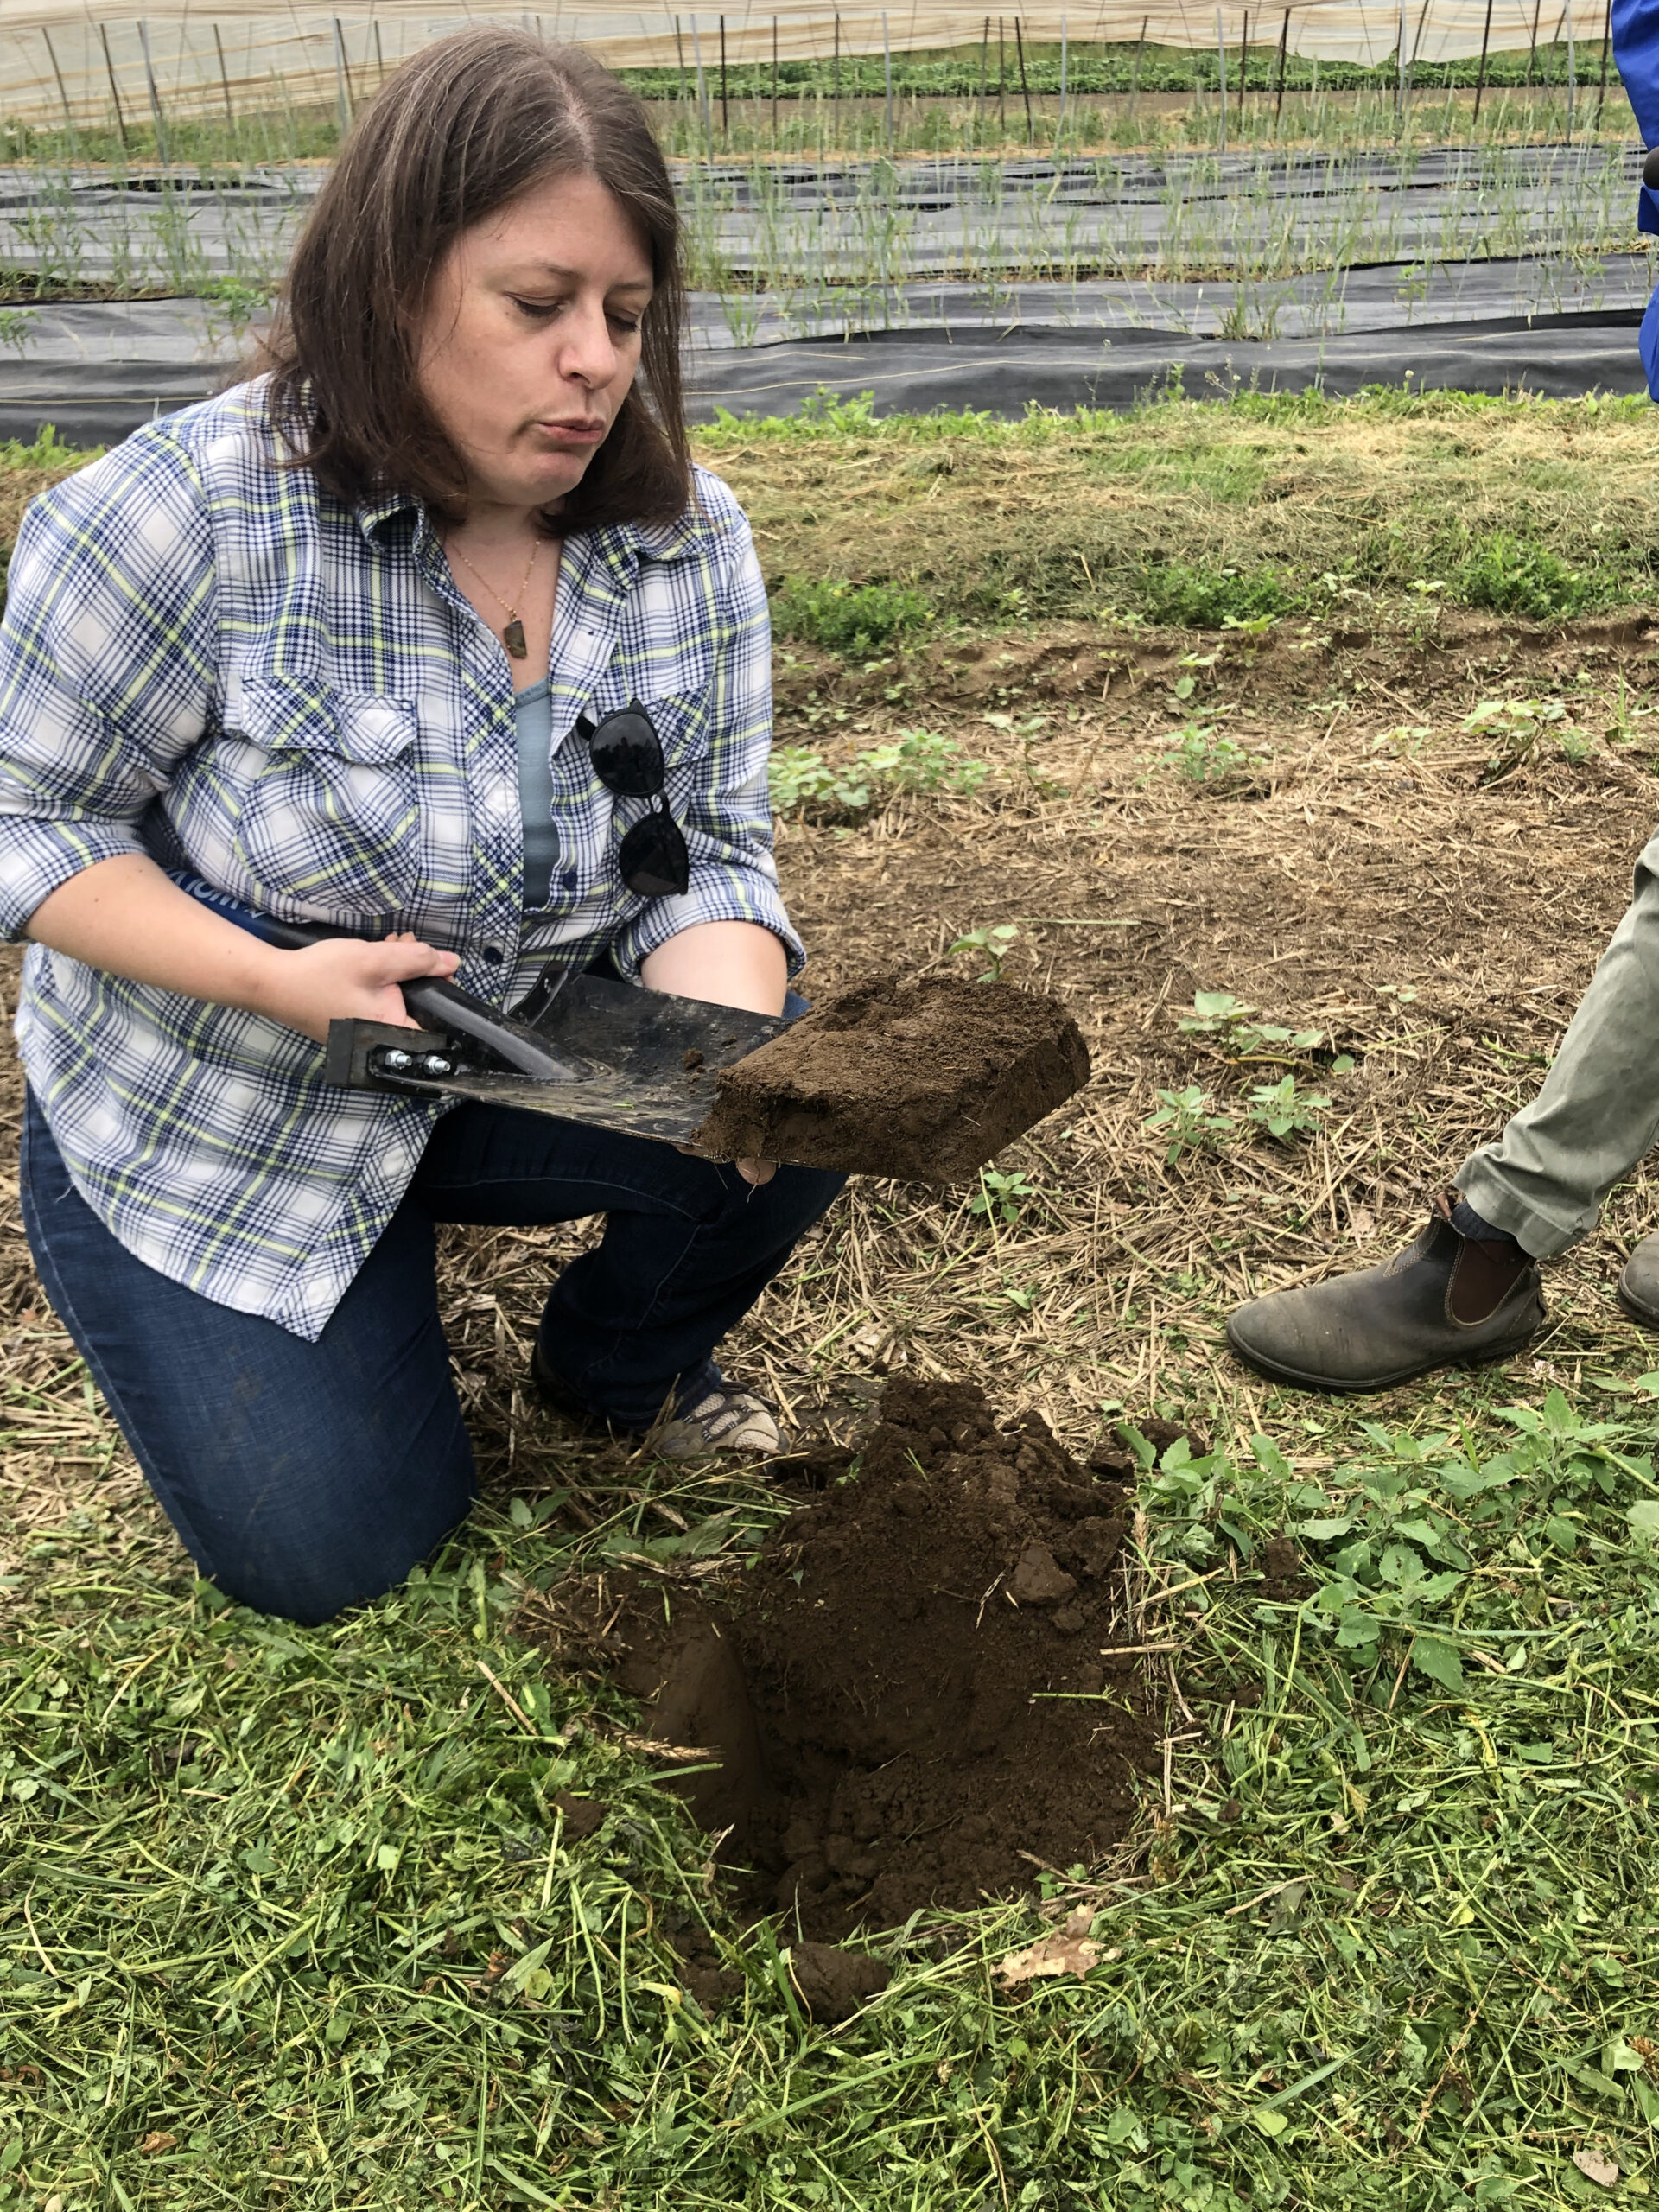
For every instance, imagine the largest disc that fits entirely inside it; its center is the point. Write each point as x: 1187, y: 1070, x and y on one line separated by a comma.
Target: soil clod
x: 904, y: 1693
x: 925, y: 1080
x: 832, y: 1984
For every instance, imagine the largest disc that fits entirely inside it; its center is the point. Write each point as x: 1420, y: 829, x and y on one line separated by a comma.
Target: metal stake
x: 1020, y: 49
x: 1284, y: 41
x: 886, y: 57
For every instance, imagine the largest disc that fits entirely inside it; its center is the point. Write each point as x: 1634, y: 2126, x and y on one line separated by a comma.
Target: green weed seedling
x: 16, y: 328
x: 1001, y: 1196
x: 1226, y: 1022
x: 995, y: 940
x: 922, y: 760
x: 1187, y: 1122
x: 799, y: 778
x: 1204, y: 754
x: 1283, y: 1111
x: 918, y: 760
x: 1516, y: 725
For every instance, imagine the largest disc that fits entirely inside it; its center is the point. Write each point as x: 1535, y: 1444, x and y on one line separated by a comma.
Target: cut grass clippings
x: 308, y: 1917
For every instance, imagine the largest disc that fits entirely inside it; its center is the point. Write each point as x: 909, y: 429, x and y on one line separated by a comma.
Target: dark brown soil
x: 925, y: 1080
x: 913, y: 1698
x: 832, y: 1984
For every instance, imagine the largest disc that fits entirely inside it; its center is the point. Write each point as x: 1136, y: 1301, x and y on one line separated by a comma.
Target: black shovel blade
x: 647, y: 1061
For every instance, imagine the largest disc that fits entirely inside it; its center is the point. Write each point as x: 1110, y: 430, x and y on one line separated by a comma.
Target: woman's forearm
x: 123, y: 915
x: 728, y: 963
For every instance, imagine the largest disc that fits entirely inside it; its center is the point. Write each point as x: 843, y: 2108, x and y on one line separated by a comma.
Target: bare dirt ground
x: 1367, y: 871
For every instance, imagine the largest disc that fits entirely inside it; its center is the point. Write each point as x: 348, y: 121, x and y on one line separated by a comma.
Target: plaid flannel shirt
x: 210, y: 660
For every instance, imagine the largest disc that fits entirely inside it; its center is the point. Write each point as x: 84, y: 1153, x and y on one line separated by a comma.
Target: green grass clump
x: 1513, y: 576
x: 1189, y: 598
x: 857, y: 620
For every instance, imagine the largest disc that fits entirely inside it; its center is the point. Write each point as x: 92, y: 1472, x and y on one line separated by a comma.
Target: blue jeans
x: 301, y: 1478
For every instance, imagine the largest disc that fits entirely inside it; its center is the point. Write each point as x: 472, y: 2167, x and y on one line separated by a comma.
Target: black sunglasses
x: 627, y: 757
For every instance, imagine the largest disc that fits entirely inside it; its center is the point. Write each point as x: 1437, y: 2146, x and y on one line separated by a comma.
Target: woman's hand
x: 347, y: 980
x: 724, y: 964
x: 124, y: 916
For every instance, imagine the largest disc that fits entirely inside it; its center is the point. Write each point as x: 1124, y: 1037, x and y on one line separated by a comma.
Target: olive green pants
x: 1546, y: 1178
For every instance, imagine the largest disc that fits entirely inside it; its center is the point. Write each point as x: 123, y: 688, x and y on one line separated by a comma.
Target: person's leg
x: 630, y: 1327
x: 1469, y: 1287
x: 1545, y: 1179
x: 301, y: 1477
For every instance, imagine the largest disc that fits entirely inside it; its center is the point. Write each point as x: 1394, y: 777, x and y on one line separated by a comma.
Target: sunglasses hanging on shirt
x: 627, y: 757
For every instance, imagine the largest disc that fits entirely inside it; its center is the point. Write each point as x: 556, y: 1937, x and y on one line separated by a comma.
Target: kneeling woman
x: 333, y: 641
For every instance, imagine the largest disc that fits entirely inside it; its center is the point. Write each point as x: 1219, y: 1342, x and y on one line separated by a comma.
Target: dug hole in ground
x: 931, y: 1686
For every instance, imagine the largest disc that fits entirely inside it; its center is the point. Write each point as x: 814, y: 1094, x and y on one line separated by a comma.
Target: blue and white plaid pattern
x: 209, y: 660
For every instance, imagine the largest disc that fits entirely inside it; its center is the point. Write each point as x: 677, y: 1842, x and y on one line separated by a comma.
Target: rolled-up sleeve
x: 106, y: 665
x: 727, y: 818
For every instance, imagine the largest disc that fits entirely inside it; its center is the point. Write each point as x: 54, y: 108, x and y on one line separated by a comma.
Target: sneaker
x: 721, y: 1419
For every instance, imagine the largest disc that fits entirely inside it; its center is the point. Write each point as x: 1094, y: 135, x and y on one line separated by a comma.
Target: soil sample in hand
x: 925, y: 1081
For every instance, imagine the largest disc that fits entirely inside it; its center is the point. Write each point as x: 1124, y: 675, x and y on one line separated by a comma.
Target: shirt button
x: 493, y: 954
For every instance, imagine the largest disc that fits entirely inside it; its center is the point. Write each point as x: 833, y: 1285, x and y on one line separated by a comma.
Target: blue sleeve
x: 1636, y: 49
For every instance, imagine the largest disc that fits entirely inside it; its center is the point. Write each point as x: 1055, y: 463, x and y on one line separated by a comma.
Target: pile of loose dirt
x: 925, y: 1080
x: 915, y: 1694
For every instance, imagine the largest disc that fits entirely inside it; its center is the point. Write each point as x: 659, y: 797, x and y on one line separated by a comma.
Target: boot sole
x: 1347, y: 1387
x: 1643, y: 1316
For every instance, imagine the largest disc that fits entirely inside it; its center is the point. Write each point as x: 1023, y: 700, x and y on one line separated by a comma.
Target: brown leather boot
x: 1447, y: 1298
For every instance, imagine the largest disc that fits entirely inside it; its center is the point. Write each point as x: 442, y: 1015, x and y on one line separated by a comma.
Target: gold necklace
x: 513, y: 636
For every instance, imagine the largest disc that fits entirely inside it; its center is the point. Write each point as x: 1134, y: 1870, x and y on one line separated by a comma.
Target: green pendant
x: 513, y: 637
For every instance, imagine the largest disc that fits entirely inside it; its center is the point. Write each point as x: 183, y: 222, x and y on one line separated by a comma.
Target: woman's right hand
x: 124, y: 915
x: 347, y: 980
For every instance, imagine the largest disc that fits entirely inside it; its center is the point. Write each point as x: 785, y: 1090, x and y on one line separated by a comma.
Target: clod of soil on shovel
x: 925, y: 1081
x: 912, y: 1694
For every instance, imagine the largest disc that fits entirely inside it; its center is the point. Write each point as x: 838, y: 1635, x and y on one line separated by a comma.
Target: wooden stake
x: 1243, y: 67
x: 342, y: 85
x: 1221, y: 56
x: 380, y: 58
x: 1606, y: 48
x: 1020, y: 49
x: 887, y: 58
x: 1284, y: 43
x: 774, y: 84
x: 224, y: 84
x: 120, y: 119
x: 1134, y: 72
x: 1485, y: 38
x: 725, y: 107
x: 703, y: 91
x: 1059, y: 127
x: 1002, y: 80
x: 68, y: 119
x: 154, y: 96
x: 1532, y: 51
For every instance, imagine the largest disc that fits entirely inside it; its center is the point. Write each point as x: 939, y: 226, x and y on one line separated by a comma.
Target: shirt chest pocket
x: 330, y: 798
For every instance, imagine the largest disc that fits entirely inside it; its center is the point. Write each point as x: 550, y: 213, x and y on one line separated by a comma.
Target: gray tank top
x: 533, y: 716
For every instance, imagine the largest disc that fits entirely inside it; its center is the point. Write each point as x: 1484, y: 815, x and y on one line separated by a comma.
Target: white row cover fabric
x: 55, y: 57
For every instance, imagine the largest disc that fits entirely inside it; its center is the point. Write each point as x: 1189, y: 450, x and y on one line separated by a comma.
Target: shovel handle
x: 431, y: 1002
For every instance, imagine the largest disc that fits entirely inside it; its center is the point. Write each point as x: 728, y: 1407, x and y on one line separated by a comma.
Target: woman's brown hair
x: 467, y: 126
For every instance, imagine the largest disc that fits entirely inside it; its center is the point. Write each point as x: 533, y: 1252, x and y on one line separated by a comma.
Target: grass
x: 1197, y: 514
x: 297, y: 1918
